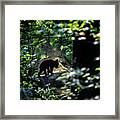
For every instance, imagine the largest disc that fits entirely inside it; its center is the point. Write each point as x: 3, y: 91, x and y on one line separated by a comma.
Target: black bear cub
x: 47, y: 66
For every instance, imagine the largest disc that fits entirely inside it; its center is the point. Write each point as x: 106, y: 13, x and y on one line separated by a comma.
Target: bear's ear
x: 56, y: 60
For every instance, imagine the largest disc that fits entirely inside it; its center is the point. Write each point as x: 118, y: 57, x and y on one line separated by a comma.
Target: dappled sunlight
x: 59, y: 59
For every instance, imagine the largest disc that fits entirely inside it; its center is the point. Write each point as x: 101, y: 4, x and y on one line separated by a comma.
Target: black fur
x: 47, y: 66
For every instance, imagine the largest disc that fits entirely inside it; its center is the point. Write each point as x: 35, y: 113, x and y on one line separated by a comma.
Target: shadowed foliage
x: 76, y: 46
